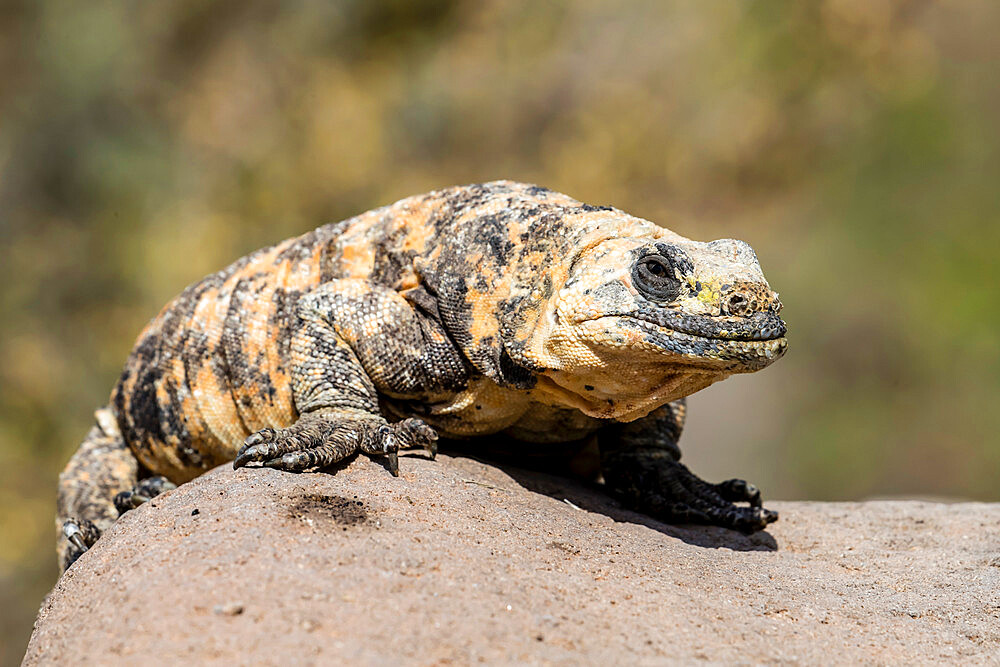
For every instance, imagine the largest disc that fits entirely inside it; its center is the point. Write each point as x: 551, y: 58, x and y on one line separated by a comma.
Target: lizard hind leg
x: 100, y: 469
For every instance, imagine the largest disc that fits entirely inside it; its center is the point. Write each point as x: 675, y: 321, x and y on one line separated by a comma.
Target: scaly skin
x: 500, y: 308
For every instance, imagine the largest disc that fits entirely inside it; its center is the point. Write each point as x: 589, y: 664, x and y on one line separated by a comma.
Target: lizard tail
x: 102, y: 467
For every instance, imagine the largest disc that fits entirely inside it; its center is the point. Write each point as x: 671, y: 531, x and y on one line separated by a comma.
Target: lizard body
x: 499, y: 308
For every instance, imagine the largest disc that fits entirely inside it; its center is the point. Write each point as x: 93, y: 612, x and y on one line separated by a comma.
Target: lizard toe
x: 667, y: 490
x: 81, y: 535
x: 144, y: 491
x: 415, y: 433
x: 253, y: 453
x: 738, y: 490
x: 270, y: 443
x: 292, y: 461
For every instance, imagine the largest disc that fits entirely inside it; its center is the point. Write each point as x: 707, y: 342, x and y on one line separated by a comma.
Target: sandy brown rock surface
x: 459, y: 561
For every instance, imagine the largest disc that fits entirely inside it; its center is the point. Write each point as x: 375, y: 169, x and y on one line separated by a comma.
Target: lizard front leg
x: 353, y: 340
x: 327, y: 436
x: 641, y: 465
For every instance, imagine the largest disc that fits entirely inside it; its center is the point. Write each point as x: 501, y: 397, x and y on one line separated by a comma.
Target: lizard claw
x: 73, y: 534
x: 257, y: 447
x: 415, y: 433
x: 265, y: 445
x: 260, y: 437
x: 738, y: 490
x: 391, y: 449
x: 81, y: 535
x: 249, y: 454
x: 144, y: 491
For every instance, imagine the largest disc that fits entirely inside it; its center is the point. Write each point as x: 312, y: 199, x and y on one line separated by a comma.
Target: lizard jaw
x: 760, y: 326
x: 732, y: 350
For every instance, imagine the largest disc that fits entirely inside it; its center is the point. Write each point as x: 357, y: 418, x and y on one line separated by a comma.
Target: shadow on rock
x: 590, y: 496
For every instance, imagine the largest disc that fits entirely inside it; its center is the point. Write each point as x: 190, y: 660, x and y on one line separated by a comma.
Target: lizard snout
x: 746, y: 299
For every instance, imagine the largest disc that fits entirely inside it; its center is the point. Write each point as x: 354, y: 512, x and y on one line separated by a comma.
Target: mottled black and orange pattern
x: 493, y: 308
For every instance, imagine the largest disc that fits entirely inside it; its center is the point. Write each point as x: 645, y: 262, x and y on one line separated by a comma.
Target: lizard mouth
x: 739, y: 343
x: 757, y: 327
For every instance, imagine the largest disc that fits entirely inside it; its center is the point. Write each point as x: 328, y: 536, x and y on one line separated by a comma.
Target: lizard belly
x: 545, y: 423
x: 485, y: 408
x: 482, y: 408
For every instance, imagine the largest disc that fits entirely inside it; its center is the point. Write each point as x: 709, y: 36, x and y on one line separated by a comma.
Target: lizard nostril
x: 737, y: 304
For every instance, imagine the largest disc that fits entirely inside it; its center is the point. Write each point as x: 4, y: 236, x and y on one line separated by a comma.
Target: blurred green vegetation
x: 854, y: 143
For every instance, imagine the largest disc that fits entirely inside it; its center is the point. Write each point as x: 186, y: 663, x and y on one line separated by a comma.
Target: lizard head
x: 646, y: 316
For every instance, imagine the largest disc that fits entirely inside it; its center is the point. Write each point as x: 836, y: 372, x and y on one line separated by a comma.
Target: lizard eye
x: 655, y: 277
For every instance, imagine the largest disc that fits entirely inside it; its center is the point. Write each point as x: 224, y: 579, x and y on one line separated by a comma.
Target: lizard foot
x: 144, y: 491
x: 319, y: 440
x: 655, y: 483
x: 81, y: 535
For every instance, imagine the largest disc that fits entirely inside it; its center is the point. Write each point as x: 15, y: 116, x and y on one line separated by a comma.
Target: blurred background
x: 854, y: 143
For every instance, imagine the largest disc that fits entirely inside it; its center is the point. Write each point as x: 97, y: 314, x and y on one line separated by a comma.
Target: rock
x: 460, y: 561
